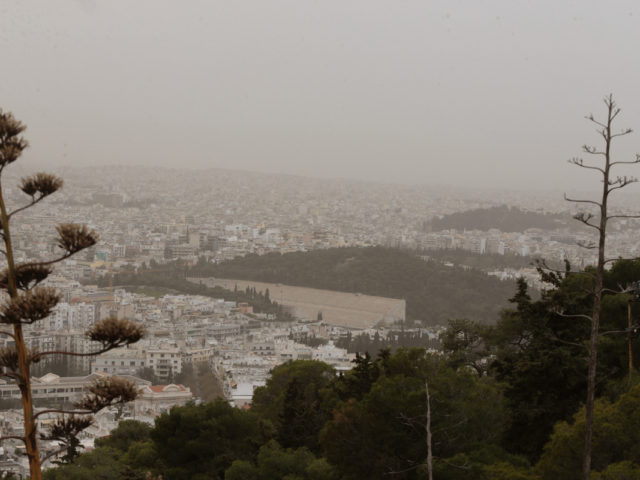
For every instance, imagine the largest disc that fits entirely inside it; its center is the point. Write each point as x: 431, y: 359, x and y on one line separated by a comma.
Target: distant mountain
x: 503, y: 218
x: 434, y: 292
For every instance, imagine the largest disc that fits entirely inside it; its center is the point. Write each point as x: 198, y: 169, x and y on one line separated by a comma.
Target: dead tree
x: 428, y: 431
x: 597, y: 219
x: 26, y: 302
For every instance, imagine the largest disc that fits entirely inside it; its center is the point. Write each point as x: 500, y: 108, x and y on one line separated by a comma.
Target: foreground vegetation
x: 505, y: 401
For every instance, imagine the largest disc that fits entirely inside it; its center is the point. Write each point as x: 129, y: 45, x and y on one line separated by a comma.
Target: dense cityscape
x: 217, y: 216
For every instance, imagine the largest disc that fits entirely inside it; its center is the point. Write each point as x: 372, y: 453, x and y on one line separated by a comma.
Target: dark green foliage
x: 480, y: 261
x: 358, y: 381
x: 545, y: 378
x: 616, y: 439
x: 297, y: 400
x: 127, y: 433
x: 205, y: 439
x: 101, y: 464
x: 487, y: 462
x: 434, y: 292
x: 464, y: 344
x: 383, y: 433
x: 276, y: 463
x: 504, y: 218
x: 540, y: 355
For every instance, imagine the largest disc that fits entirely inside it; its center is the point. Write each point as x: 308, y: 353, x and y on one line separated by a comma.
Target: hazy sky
x: 483, y: 93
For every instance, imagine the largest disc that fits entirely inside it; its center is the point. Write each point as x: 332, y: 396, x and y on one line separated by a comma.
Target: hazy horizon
x: 485, y: 95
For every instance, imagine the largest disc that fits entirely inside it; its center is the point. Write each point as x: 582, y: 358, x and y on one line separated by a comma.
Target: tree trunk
x: 597, y: 300
x: 24, y: 382
x: 428, y: 428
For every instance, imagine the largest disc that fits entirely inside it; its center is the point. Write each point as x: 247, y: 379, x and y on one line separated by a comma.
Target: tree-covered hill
x: 434, y: 292
x: 504, y: 218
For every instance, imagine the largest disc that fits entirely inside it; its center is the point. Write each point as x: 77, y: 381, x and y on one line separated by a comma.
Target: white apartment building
x: 164, y: 360
x: 120, y: 361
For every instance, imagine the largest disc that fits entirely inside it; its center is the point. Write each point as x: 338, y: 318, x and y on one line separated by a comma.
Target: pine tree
x: 28, y: 302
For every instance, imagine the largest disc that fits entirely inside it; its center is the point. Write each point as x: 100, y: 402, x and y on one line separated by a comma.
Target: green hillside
x: 504, y: 218
x: 434, y: 292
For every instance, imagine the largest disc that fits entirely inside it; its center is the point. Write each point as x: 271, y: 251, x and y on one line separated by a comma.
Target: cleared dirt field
x: 351, y: 310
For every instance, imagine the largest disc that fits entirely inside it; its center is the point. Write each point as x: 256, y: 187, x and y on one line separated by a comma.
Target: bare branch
x: 12, y: 437
x: 614, y: 332
x: 628, y: 162
x: 461, y: 467
x: 580, y: 162
x: 567, y: 342
x: 63, y: 412
x: 24, y: 207
x: 2, y: 332
x: 621, y: 133
x: 591, y: 117
x: 38, y: 356
x: 584, y: 218
x: 53, y: 454
x: 592, y: 150
x: 620, y: 182
x: 542, y: 266
x: 615, y: 292
x: 572, y: 315
x: 577, y: 200
x: 622, y: 216
x: 588, y: 246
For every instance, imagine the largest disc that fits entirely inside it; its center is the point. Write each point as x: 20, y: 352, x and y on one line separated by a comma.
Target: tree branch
x: 584, y: 218
x: 621, y: 133
x: 590, y: 117
x: 54, y: 453
x: 580, y: 163
x: 577, y: 200
x: 9, y: 334
x: 64, y: 412
x: 15, y: 375
x: 626, y: 162
x: 588, y: 246
x: 567, y: 342
x: 614, y: 332
x: 620, y: 182
x: 622, y: 216
x: 12, y: 437
x: 24, y: 207
x: 38, y: 355
x: 572, y: 315
x: 592, y: 150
